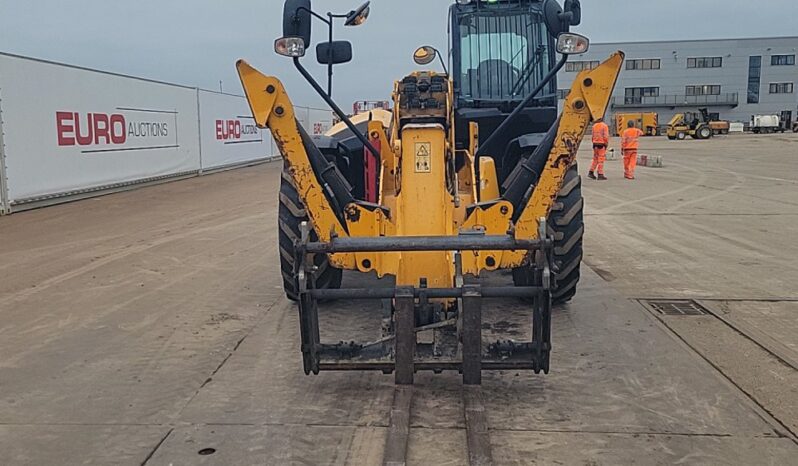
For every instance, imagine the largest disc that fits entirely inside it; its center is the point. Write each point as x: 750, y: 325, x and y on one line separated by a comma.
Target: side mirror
x: 569, y: 43
x: 558, y: 20
x: 334, y: 53
x: 575, y: 8
x: 296, y: 20
x: 358, y: 16
x: 425, y: 55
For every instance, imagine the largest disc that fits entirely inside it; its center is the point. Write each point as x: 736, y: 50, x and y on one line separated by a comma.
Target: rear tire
x: 704, y: 132
x: 290, y: 216
x: 566, y: 224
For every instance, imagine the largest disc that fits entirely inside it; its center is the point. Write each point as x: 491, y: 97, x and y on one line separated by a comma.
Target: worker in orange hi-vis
x: 601, y: 139
x: 630, y: 142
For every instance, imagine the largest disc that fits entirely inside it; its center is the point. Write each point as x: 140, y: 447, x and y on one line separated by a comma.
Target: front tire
x: 290, y: 216
x: 566, y: 224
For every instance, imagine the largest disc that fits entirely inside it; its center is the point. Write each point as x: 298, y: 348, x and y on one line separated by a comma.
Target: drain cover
x: 676, y: 307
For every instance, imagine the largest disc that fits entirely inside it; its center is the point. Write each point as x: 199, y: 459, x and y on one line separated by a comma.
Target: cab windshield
x: 504, y: 53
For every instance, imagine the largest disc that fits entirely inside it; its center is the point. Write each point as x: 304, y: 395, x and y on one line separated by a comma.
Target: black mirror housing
x: 575, y: 8
x: 558, y: 20
x: 551, y: 16
x: 296, y: 20
x: 334, y: 53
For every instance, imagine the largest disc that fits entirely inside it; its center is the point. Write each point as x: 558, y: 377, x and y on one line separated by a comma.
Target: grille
x: 676, y: 307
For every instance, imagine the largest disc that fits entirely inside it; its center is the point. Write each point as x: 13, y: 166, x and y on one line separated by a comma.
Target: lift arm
x: 588, y: 100
x: 535, y: 183
x: 322, y: 188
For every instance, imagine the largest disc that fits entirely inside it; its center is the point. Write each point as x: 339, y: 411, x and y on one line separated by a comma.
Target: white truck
x: 766, y: 124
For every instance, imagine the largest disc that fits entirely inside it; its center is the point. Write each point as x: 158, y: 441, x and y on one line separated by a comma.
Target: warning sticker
x: 423, y: 157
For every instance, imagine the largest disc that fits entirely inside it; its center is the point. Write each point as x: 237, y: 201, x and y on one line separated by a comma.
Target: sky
x: 196, y: 42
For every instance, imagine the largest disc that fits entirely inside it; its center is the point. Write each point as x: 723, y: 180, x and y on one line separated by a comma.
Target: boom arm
x: 545, y: 169
x: 272, y: 108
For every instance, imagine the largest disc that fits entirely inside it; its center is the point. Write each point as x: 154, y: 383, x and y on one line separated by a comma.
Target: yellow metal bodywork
x: 677, y: 125
x: 420, y: 192
x: 647, y: 122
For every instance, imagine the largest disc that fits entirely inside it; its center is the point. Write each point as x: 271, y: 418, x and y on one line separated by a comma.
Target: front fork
x: 458, y: 339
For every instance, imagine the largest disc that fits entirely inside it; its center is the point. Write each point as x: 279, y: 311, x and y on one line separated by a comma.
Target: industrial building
x: 733, y: 78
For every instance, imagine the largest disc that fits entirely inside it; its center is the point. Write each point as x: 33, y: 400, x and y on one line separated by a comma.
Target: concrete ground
x: 149, y: 327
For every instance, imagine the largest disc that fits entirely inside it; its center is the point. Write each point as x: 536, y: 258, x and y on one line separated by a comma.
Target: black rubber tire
x: 704, y: 132
x: 566, y: 224
x: 681, y: 135
x: 291, y: 214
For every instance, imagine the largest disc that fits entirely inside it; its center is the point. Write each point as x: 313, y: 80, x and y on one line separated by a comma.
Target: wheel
x: 681, y: 135
x: 291, y: 214
x: 566, y: 224
x: 704, y: 132
x: 795, y: 129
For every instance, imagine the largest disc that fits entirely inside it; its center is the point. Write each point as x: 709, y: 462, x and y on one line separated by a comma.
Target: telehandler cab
x: 472, y: 171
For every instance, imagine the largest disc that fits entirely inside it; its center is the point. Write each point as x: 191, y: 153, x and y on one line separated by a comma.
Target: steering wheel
x: 497, y: 75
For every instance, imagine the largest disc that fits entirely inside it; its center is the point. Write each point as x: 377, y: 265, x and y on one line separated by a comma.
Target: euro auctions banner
x: 228, y: 131
x: 69, y: 129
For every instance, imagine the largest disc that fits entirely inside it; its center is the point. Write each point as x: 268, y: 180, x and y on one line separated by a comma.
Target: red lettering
x: 101, y: 129
x: 219, y: 130
x: 118, y: 122
x: 88, y: 138
x: 64, y: 128
x: 237, y: 129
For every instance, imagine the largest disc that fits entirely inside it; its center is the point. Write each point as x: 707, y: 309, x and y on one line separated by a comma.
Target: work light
x: 290, y: 46
x: 569, y: 43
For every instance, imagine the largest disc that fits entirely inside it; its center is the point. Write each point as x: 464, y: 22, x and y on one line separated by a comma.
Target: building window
x: 576, y: 66
x: 707, y: 89
x: 781, y: 88
x: 562, y: 94
x: 643, y: 64
x: 782, y: 60
x: 634, y: 95
x: 705, y: 62
x: 754, y: 77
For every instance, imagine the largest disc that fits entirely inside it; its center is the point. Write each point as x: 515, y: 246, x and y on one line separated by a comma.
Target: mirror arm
x: 546, y: 79
x: 445, y: 70
x: 330, y: 57
x: 333, y: 106
x: 313, y: 13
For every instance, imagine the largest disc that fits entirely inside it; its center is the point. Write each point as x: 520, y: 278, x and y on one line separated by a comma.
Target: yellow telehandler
x: 472, y: 171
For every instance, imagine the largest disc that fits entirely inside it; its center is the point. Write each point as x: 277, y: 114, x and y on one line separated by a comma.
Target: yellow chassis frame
x: 413, y: 181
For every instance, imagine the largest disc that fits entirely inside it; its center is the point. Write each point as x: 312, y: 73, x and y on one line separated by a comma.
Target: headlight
x: 569, y: 43
x: 290, y: 46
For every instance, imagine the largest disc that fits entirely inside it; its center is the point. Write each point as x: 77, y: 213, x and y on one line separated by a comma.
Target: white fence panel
x: 69, y: 129
x: 315, y: 121
x: 319, y: 121
x: 228, y: 131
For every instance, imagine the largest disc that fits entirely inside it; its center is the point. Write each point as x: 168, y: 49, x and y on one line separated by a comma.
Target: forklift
x: 693, y: 124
